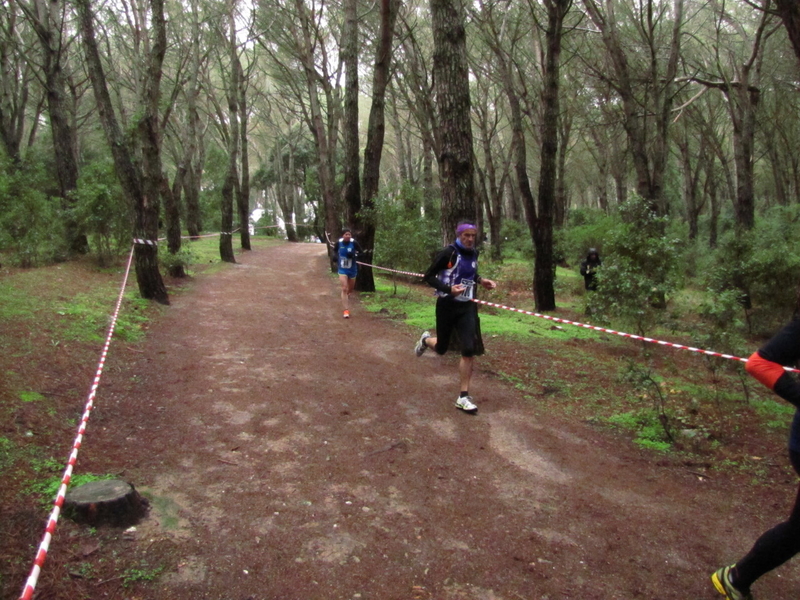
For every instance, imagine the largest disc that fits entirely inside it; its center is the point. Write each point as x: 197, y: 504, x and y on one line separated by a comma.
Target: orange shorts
x: 765, y: 371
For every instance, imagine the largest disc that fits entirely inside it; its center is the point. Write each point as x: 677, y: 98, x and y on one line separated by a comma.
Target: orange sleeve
x: 765, y: 371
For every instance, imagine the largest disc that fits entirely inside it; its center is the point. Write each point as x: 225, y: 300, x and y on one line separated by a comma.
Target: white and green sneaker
x: 465, y: 403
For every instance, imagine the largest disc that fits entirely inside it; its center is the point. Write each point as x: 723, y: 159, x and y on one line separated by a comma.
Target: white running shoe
x: 465, y: 403
x: 420, y: 348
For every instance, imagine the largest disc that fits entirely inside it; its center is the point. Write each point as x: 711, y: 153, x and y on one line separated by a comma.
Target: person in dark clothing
x: 589, y: 267
x: 454, y: 275
x: 782, y: 542
x: 347, y: 249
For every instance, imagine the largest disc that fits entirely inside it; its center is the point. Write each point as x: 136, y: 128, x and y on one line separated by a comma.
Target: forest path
x: 295, y: 455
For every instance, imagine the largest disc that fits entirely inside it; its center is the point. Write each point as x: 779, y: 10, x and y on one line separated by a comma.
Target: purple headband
x: 463, y: 227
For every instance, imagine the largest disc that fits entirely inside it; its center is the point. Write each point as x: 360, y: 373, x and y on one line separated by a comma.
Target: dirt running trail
x: 295, y: 455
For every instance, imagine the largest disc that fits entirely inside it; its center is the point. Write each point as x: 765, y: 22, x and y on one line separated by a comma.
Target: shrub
x: 405, y: 238
x: 762, y: 267
x: 517, y: 241
x: 640, y: 268
x: 31, y: 222
x: 102, y: 211
x: 587, y: 228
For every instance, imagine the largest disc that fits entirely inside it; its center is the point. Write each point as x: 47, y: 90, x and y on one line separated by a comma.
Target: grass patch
x: 30, y: 396
x: 142, y: 573
x: 646, y: 427
x: 167, y: 509
x: 7, y: 453
x: 45, y: 490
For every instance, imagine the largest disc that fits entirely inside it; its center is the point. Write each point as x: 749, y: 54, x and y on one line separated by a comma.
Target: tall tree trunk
x: 743, y: 111
x: 144, y: 198
x: 48, y: 24
x: 562, y: 199
x: 428, y: 185
x: 691, y: 178
x: 780, y: 172
x: 351, y: 188
x: 451, y: 77
x: 231, y: 184
x: 243, y: 190
x: 402, y: 160
x: 376, y: 133
x: 15, y: 77
x: 492, y: 190
x: 319, y: 132
x: 648, y: 145
x: 711, y: 192
x: 544, y: 268
x: 192, y: 155
x: 172, y: 216
x: 191, y: 191
x: 284, y: 191
x: 149, y: 130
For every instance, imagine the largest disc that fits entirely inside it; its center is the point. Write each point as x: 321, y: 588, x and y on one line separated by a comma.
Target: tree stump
x: 105, y: 502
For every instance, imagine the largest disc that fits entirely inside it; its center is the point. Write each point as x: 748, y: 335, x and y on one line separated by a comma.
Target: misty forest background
x: 662, y: 132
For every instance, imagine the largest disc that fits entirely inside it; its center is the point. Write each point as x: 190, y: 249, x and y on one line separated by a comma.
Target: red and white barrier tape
x: 593, y: 327
x: 194, y: 237
x: 41, y: 555
x: 392, y: 270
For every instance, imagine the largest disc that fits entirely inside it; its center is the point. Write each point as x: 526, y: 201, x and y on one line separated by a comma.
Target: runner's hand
x: 457, y: 289
x: 488, y: 284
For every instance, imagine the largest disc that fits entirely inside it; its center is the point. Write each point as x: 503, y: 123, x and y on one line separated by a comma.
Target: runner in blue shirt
x: 347, y: 249
x: 454, y: 275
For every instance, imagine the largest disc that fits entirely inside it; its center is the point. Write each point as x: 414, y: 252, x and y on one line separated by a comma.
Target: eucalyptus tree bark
x: 140, y: 187
x: 544, y: 268
x: 376, y: 134
x: 451, y: 84
x: 648, y: 143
